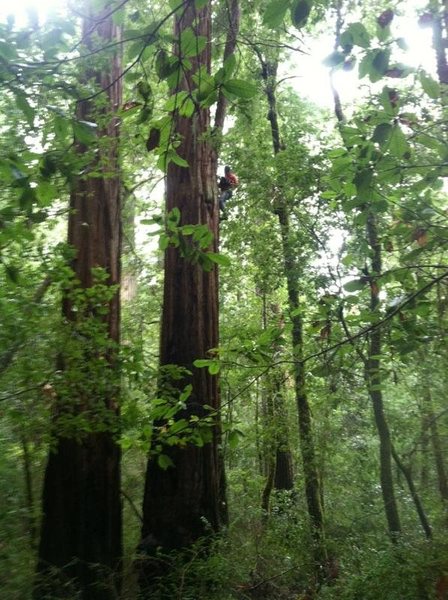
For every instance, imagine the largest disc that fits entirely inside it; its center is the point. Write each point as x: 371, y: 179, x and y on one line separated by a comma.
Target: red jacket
x: 232, y: 179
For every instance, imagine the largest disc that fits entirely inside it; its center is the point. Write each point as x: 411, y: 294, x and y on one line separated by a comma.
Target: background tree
x: 81, y: 527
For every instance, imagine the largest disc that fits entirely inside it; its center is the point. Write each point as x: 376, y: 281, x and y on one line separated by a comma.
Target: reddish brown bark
x: 184, y: 502
x: 81, y: 527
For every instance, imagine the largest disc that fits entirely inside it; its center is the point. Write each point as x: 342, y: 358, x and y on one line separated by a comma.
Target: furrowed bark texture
x: 81, y: 527
x: 184, y: 502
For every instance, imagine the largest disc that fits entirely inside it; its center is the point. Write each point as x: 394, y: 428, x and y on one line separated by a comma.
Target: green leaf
x: 365, y: 65
x: 135, y: 49
x: 357, y: 34
x: 430, y: 86
x: 334, y: 59
x: 174, y: 215
x: 12, y: 272
x: 200, y: 363
x: 25, y: 107
x: 164, y: 461
x: 61, y: 127
x: 187, y: 108
x: 275, y: 13
x: 240, y: 88
x: 214, y: 368
x: 175, y: 101
x: 191, y: 44
x: 398, y: 144
x: 363, y: 181
x: 178, y: 426
x: 84, y: 131
x: 177, y: 160
x: 380, y: 64
x: 219, y: 259
x: 354, y: 286
x: 349, y: 259
x: 230, y: 64
x: 164, y: 242
x: 320, y: 371
x: 166, y: 66
x: 431, y: 142
x: 144, y: 89
x: 300, y: 11
x: 382, y: 133
x: 186, y: 393
x: 205, y: 82
x: 234, y: 438
x: 374, y: 64
x: 46, y: 193
x: 145, y: 115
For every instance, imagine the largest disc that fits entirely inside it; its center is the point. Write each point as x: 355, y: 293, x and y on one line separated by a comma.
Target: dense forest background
x: 249, y: 404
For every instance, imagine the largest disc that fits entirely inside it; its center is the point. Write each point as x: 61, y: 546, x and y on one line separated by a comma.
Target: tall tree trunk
x: 81, y: 527
x: 184, y: 502
x: 374, y: 380
x: 439, y: 40
x: 278, y: 456
x: 436, y: 444
x: 306, y: 436
x: 284, y: 478
x: 372, y: 362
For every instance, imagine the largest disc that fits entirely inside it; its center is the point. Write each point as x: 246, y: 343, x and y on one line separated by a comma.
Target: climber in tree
x: 226, y: 185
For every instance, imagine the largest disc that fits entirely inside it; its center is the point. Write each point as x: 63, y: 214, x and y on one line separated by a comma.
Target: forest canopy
x: 223, y: 300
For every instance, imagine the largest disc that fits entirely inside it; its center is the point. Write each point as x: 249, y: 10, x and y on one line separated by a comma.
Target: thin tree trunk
x: 306, y: 436
x: 278, y: 458
x: 29, y: 491
x: 424, y: 424
x: 284, y: 479
x: 81, y: 528
x: 374, y: 381
x: 414, y: 494
x: 436, y: 444
x: 372, y: 363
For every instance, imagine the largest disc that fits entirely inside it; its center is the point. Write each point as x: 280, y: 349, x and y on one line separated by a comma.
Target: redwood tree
x: 183, y: 502
x: 81, y: 528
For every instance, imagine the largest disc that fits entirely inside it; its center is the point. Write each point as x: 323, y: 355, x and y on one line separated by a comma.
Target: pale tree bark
x: 81, y: 527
